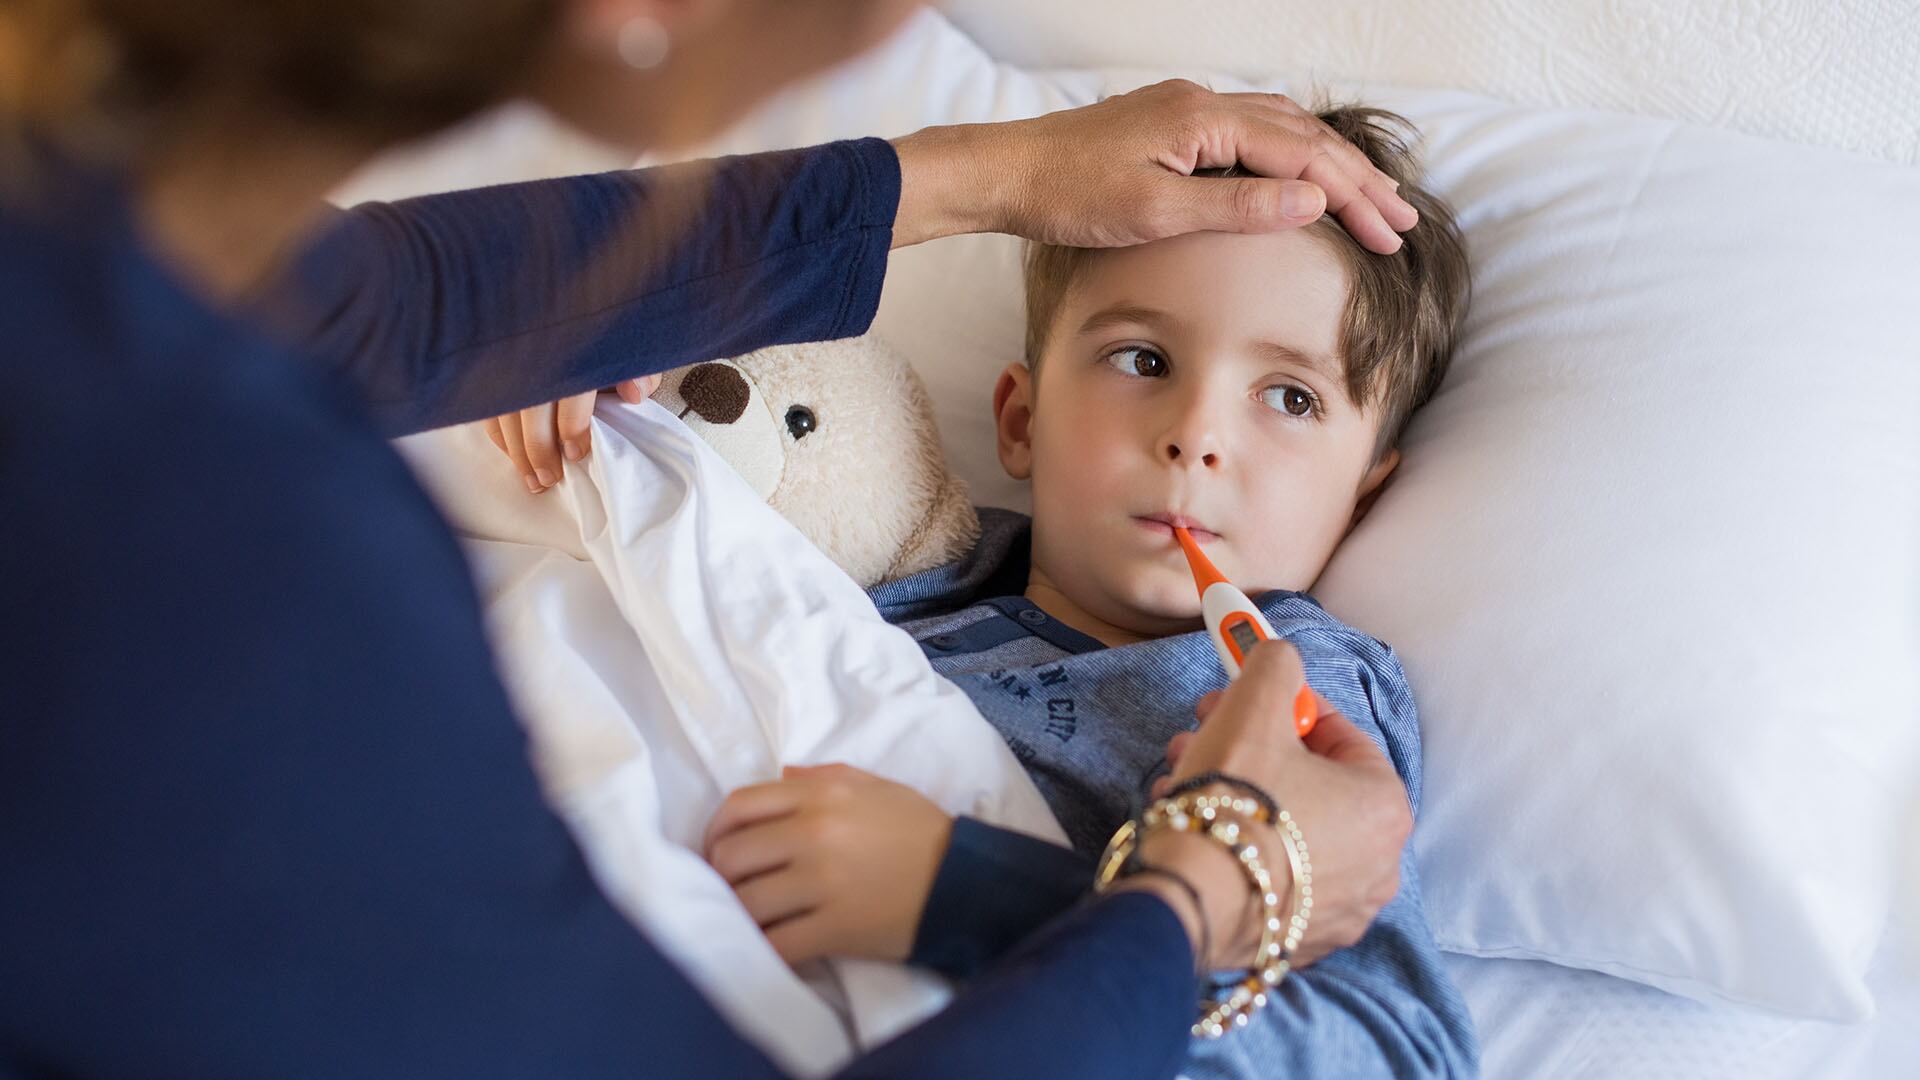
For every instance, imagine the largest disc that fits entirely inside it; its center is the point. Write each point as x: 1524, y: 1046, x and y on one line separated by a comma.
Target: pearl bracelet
x: 1213, y: 816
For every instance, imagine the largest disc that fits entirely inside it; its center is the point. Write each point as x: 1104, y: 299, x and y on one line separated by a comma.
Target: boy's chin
x: 1162, y: 608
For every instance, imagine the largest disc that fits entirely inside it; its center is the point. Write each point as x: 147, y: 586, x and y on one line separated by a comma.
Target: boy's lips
x: 1164, y: 524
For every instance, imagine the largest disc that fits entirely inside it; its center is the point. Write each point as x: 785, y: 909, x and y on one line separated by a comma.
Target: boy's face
x: 1191, y: 380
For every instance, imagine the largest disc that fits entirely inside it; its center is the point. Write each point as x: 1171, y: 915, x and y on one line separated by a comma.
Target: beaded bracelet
x: 1269, y: 810
x: 1207, y: 815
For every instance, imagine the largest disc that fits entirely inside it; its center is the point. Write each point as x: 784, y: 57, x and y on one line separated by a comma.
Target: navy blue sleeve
x: 1106, y: 991
x: 993, y: 887
x: 456, y: 307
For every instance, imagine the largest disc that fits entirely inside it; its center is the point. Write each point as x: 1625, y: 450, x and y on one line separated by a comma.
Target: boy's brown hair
x: 1403, y: 310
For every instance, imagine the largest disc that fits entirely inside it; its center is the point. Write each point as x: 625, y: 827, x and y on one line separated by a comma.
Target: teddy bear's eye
x: 800, y: 421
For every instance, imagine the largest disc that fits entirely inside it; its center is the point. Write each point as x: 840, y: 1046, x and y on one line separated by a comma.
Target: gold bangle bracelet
x: 1215, y: 816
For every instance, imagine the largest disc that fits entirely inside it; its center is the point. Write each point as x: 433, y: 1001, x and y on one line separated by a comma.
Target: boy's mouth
x: 1164, y: 524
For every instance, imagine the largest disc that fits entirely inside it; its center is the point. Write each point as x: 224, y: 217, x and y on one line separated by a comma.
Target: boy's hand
x: 539, y: 437
x: 831, y: 860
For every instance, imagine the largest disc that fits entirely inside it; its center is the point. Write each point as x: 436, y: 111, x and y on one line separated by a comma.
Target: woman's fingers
x: 1119, y: 172
x: 1334, y: 736
x: 573, y: 420
x: 1269, y: 680
x: 1205, y: 706
x: 1381, y: 190
x: 1273, y: 149
x: 1351, y: 157
x: 492, y: 427
x: 1176, y: 746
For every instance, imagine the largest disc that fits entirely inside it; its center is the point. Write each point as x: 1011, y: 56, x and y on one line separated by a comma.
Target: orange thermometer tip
x: 1204, y: 572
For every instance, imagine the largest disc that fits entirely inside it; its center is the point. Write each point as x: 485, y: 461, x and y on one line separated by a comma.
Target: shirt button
x: 943, y: 641
x: 1032, y: 616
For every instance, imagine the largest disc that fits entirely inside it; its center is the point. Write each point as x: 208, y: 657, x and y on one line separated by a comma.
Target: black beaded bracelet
x: 1245, y: 787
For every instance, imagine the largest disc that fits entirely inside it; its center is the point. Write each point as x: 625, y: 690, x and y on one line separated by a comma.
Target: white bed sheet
x: 1538, y: 1019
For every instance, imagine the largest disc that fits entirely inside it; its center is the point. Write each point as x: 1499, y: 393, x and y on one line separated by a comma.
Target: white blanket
x: 669, y: 638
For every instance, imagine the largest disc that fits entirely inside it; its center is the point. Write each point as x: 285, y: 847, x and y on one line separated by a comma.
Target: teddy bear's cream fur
x: 839, y: 437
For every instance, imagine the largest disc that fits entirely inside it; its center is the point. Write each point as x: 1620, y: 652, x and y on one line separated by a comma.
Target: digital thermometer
x: 1236, y: 625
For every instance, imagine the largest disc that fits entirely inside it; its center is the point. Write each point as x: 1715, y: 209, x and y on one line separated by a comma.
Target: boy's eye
x: 1136, y: 360
x: 1292, y: 400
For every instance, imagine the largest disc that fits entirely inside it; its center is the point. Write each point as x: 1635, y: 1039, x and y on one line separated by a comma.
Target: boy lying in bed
x: 1252, y: 388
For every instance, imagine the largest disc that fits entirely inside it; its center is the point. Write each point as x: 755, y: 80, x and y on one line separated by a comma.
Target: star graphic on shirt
x: 1022, y: 693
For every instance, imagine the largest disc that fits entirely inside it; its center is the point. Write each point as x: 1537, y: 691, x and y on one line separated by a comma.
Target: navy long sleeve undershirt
x: 264, y: 808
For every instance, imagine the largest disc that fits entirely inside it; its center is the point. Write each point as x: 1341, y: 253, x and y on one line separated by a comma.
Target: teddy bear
x: 839, y: 438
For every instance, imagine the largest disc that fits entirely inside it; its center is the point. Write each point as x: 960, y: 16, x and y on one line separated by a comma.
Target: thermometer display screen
x: 1244, y: 636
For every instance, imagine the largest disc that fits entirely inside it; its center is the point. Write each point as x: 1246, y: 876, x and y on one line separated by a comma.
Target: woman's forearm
x: 952, y: 179
x: 460, y: 306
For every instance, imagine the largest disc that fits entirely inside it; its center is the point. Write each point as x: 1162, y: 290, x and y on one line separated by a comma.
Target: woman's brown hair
x: 378, y: 70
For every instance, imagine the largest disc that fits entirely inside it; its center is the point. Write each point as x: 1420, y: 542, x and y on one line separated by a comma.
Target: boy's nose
x: 1190, y: 433
x: 1190, y: 449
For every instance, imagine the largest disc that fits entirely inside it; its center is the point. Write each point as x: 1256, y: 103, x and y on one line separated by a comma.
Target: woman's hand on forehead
x: 1119, y: 172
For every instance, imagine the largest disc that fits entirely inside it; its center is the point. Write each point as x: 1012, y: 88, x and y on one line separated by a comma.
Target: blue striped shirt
x: 1091, y: 725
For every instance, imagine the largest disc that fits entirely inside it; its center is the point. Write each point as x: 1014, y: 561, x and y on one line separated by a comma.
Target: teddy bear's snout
x: 715, y: 392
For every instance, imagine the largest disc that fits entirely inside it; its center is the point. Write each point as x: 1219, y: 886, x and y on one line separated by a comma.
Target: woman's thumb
x: 1256, y: 204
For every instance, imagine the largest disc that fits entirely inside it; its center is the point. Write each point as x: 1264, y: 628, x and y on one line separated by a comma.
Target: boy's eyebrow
x: 1123, y: 314
x: 1274, y: 352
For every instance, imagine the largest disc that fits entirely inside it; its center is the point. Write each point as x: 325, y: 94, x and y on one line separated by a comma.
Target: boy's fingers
x: 543, y: 450
x: 750, y: 805
x: 756, y: 849
x: 517, y: 450
x: 801, y: 938
x: 574, y: 419
x: 635, y: 391
x: 492, y: 427
x: 775, y: 897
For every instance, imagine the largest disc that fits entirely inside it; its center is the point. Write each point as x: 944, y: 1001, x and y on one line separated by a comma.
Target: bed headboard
x: 1841, y: 73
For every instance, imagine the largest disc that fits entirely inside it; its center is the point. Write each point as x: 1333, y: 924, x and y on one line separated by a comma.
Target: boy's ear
x: 1372, y: 484
x: 1013, y: 420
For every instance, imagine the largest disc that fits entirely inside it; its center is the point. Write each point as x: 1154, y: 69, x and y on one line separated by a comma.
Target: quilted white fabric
x: 1839, y: 73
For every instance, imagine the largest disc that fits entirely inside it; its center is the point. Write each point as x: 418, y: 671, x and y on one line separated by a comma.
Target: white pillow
x: 1650, y: 561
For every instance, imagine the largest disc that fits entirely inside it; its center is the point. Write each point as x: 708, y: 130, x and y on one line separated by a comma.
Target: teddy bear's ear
x: 948, y: 531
